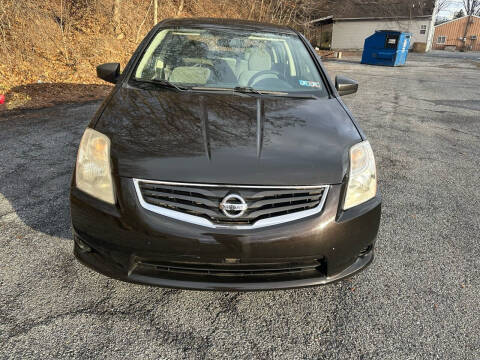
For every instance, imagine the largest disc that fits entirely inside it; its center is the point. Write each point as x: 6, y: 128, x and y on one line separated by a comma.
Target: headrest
x: 259, y: 60
x: 194, y: 49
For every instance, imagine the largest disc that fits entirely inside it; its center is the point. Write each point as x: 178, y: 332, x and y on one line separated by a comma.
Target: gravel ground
x: 419, y: 299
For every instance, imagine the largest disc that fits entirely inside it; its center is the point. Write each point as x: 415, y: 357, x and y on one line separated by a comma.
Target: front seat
x: 259, y: 60
x: 242, y: 62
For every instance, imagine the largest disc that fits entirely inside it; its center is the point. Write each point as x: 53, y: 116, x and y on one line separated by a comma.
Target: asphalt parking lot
x: 420, y: 299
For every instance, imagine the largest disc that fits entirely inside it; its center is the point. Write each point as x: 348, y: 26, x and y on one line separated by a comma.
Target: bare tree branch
x: 472, y: 7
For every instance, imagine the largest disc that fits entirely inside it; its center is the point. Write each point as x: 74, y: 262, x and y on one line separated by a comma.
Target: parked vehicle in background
x: 224, y: 159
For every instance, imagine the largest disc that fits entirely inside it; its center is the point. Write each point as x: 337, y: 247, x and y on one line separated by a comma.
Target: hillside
x: 49, y: 48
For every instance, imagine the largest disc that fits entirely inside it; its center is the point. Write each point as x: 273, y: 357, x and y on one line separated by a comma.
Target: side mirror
x: 345, y: 86
x: 109, y: 72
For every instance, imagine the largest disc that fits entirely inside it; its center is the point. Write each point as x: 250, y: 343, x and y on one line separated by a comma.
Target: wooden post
x: 180, y: 7
x: 116, y: 16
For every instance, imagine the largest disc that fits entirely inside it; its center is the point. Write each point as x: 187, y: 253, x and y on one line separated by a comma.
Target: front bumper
x: 130, y: 243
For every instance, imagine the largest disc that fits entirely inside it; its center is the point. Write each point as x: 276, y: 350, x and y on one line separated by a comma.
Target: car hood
x: 227, y: 138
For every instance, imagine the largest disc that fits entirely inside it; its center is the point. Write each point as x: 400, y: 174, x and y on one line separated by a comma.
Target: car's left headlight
x: 362, y: 179
x: 93, y: 170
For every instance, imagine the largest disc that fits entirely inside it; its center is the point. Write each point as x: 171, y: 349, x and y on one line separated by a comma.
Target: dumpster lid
x: 393, y: 32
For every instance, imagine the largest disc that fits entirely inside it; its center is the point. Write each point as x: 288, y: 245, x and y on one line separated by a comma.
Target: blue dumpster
x: 388, y: 48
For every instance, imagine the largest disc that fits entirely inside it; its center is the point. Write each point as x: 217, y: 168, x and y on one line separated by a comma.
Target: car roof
x: 226, y: 23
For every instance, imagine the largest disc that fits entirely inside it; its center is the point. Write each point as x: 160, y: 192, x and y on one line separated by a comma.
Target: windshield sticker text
x: 310, y: 83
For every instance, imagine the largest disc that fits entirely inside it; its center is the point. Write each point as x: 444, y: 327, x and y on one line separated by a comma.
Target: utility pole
x: 464, y: 39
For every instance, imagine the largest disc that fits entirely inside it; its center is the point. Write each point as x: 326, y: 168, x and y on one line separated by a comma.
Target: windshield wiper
x: 296, y: 96
x: 251, y: 90
x: 237, y: 89
x: 165, y: 83
x: 246, y: 90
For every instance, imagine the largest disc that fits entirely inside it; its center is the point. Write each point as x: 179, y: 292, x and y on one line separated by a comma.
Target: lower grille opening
x: 237, y: 270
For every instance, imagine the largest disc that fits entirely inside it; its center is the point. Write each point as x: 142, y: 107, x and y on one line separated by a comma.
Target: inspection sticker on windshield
x: 309, y: 83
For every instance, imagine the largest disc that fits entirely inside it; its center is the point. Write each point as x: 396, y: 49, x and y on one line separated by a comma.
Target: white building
x: 350, y: 22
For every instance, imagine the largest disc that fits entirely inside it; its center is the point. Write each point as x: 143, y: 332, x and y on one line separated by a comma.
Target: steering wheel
x: 260, y: 73
x: 209, y: 67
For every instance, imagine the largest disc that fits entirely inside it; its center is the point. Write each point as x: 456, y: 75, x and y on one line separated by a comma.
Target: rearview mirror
x: 109, y: 72
x: 345, y: 86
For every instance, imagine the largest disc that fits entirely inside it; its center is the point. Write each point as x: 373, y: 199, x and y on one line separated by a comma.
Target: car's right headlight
x: 93, y: 170
x: 362, y: 179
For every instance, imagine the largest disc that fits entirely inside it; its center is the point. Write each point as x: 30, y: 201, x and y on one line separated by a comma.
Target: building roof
x: 376, y: 9
x: 460, y: 18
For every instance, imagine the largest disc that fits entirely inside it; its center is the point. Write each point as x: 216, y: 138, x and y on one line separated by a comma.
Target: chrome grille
x: 202, y: 201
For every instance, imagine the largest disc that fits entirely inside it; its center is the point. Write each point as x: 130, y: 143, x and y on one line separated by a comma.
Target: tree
x: 472, y: 7
x: 116, y: 16
x: 442, y: 5
x: 155, y: 12
x: 458, y: 14
x: 441, y: 20
x: 180, y: 7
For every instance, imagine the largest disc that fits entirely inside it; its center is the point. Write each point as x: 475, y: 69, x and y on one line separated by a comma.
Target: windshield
x: 210, y: 58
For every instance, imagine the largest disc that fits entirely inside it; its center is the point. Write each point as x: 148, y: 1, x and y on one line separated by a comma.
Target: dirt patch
x: 449, y: 66
x: 35, y: 96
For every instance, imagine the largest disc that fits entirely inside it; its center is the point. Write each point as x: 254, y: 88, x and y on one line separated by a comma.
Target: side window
x: 146, y: 65
x: 423, y: 29
x: 160, y: 62
x: 306, y: 69
x: 441, y: 40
